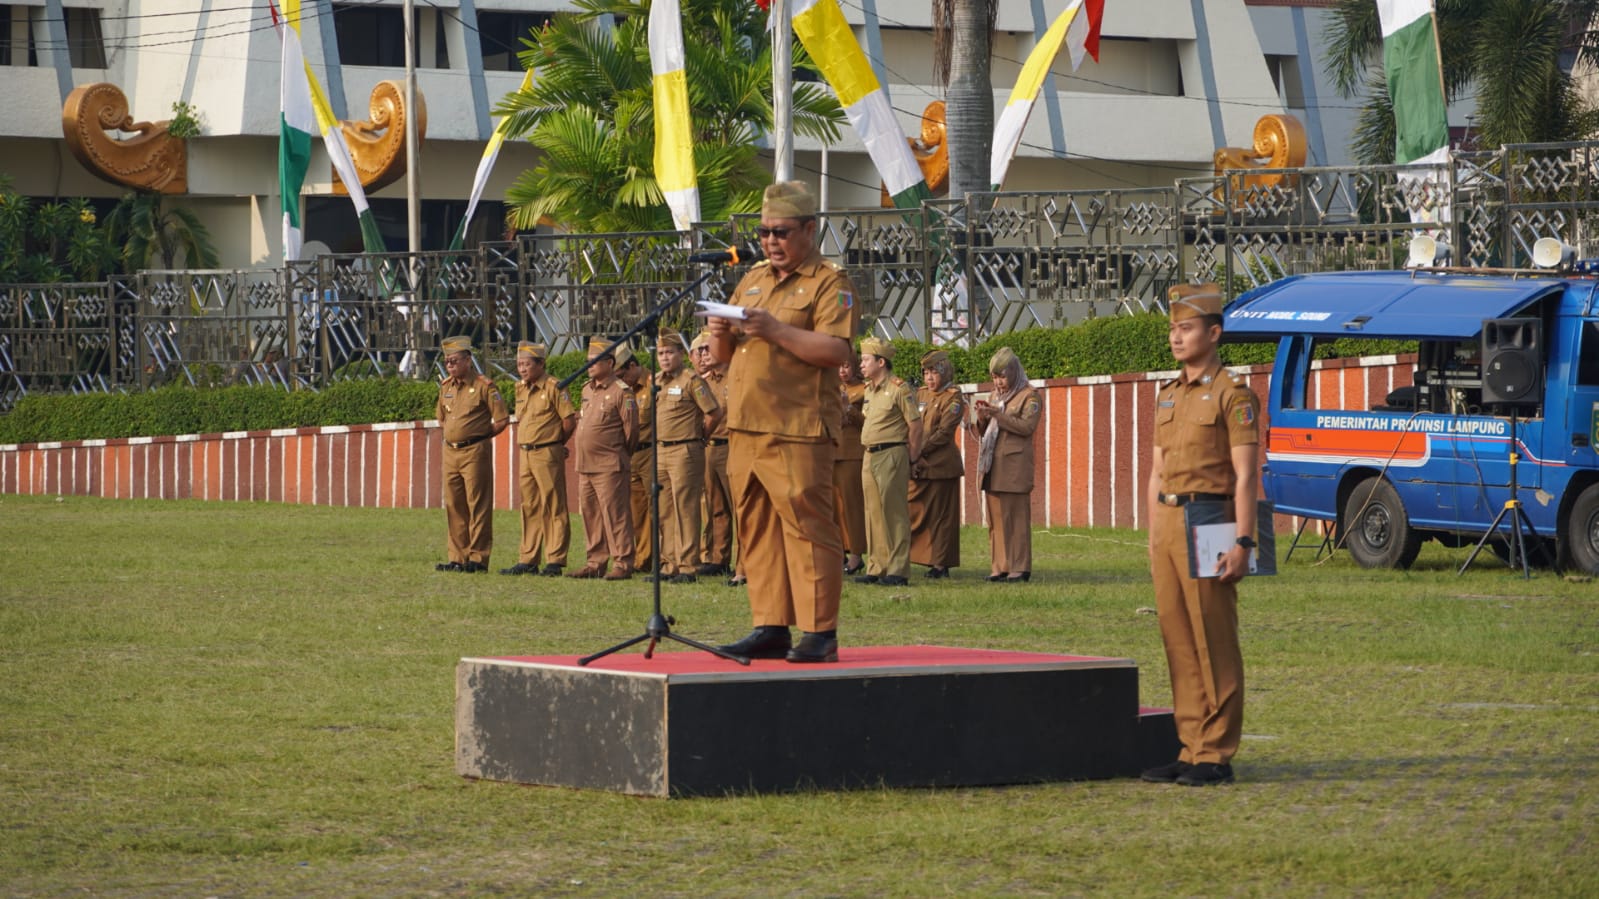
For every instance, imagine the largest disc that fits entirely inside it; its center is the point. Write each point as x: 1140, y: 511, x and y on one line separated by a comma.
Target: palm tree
x: 149, y: 230
x: 962, y: 38
x: 590, y: 113
x: 1508, y: 53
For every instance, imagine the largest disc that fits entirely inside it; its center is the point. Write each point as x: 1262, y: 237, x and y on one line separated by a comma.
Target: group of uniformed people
x: 823, y: 468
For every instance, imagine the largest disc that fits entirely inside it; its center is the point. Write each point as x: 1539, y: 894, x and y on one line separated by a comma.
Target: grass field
x: 256, y: 700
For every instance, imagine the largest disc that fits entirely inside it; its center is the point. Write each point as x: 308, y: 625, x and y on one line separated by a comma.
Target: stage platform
x: 689, y: 723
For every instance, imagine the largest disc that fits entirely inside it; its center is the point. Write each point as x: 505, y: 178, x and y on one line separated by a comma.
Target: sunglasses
x: 764, y: 232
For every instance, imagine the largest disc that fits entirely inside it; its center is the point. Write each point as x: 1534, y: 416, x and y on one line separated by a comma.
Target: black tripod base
x: 1520, y: 529
x: 660, y: 628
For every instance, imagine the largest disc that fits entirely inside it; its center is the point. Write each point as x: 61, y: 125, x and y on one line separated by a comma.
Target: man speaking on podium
x: 783, y: 413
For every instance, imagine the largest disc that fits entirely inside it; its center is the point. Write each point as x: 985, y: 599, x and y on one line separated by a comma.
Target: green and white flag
x: 1415, y: 81
x: 305, y: 108
x: 821, y: 27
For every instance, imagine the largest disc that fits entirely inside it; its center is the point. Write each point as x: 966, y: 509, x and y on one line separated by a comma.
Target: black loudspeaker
x: 1512, y: 361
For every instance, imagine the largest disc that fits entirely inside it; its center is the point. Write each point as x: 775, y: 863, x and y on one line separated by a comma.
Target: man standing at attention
x: 1206, y: 450
x: 633, y: 375
x: 892, y: 437
x: 783, y: 386
x: 685, y: 412
x: 470, y: 413
x: 716, y: 552
x: 544, y: 421
x: 607, y: 426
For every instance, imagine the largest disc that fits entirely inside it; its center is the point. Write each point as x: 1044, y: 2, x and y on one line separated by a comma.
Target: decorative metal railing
x: 953, y: 271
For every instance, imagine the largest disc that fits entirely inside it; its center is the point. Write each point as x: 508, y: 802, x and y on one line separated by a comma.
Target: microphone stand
x: 659, y: 626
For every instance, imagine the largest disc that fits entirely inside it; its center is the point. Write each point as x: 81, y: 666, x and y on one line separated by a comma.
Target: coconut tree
x: 590, y: 113
x: 149, y: 230
x: 1510, y: 55
x: 962, y: 39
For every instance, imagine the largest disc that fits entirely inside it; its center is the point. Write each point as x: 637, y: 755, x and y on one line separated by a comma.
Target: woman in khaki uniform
x: 892, y: 436
x: 935, y: 499
x: 847, y: 468
x: 684, y: 412
x: 1005, y: 425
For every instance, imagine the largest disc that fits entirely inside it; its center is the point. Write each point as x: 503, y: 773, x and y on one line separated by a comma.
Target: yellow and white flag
x: 1078, y: 28
x: 674, y: 131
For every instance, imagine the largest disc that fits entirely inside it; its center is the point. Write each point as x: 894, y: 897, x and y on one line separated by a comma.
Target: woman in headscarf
x: 935, y: 491
x: 847, y: 491
x: 1004, y: 427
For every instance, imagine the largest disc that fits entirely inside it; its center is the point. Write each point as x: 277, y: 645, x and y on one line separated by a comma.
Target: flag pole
x: 782, y: 92
x: 413, y: 218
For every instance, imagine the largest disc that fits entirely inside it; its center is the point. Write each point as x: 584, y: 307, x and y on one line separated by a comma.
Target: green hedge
x: 1101, y: 346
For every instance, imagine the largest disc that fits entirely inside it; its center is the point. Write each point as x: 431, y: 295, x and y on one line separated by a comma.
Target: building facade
x: 1176, y: 80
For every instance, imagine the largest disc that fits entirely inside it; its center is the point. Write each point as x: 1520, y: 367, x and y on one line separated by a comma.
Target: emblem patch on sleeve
x: 846, y: 299
x: 1244, y: 414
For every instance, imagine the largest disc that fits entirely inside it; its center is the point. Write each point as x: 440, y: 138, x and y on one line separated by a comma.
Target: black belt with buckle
x: 879, y: 447
x: 539, y: 446
x: 716, y: 441
x: 679, y: 442
x: 1183, y: 499
x: 645, y: 445
x: 463, y: 444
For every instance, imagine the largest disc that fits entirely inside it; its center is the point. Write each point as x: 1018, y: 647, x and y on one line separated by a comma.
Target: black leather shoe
x: 475, y: 567
x: 682, y: 578
x: 521, y: 568
x: 855, y: 569
x: 936, y: 573
x: 996, y: 578
x: 448, y: 566
x: 1166, y: 774
x: 814, y: 648
x: 1206, y: 774
x: 737, y: 581
x: 706, y: 569
x: 866, y: 579
x: 761, y: 643
x: 551, y: 570
x: 892, y: 580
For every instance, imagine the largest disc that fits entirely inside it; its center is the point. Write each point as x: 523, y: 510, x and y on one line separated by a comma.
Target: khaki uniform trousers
x: 546, y: 527
x: 607, y: 529
x: 851, y: 503
x: 718, y: 542
x: 639, y: 493
x: 885, y: 480
x: 788, y: 540
x: 935, y: 518
x: 1010, y: 532
x: 682, y: 474
x: 1199, y: 625
x: 469, y: 501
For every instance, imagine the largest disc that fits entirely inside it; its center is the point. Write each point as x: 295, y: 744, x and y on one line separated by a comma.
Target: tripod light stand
x: 1514, y: 519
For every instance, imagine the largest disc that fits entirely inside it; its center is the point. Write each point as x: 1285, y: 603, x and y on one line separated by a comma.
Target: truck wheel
x: 1583, y: 530
x: 1376, y: 530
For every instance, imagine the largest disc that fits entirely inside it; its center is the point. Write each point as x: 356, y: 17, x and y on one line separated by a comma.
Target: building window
x: 5, y: 34
x: 1285, y: 77
x: 500, y: 34
x: 85, y: 41
x: 370, y: 35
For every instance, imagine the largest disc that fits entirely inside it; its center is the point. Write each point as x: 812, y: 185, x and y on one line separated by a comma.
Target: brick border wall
x: 1093, y: 454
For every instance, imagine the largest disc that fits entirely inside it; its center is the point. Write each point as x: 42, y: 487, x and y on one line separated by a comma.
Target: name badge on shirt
x: 674, y: 391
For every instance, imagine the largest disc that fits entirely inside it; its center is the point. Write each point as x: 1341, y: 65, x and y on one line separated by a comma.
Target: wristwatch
x: 1246, y: 542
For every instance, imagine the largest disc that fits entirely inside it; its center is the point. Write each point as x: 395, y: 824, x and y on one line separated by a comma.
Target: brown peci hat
x: 876, y: 346
x: 452, y: 345
x: 701, y: 340
x: 1194, y: 300
x: 670, y: 338
x: 597, y: 347
x: 788, y: 200
x: 533, y: 350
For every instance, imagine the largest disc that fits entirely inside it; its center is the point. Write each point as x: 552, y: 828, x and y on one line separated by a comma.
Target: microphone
x: 730, y: 256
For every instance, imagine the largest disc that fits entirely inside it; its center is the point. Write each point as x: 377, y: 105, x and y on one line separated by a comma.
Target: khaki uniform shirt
x: 1197, y: 423
x: 889, y: 413
x: 540, y: 410
x: 942, y: 415
x: 468, y: 409
x: 607, y: 426
x: 853, y: 396
x: 684, y: 400
x: 770, y: 390
x: 646, y: 421
x: 716, y: 379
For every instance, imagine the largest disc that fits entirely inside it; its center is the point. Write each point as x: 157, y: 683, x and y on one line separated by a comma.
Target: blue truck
x: 1505, y: 387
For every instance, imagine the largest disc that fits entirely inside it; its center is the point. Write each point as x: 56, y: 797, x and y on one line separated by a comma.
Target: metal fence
x: 951, y: 271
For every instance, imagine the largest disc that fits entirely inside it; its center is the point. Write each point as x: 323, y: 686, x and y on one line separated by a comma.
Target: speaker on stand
x: 1512, y: 378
